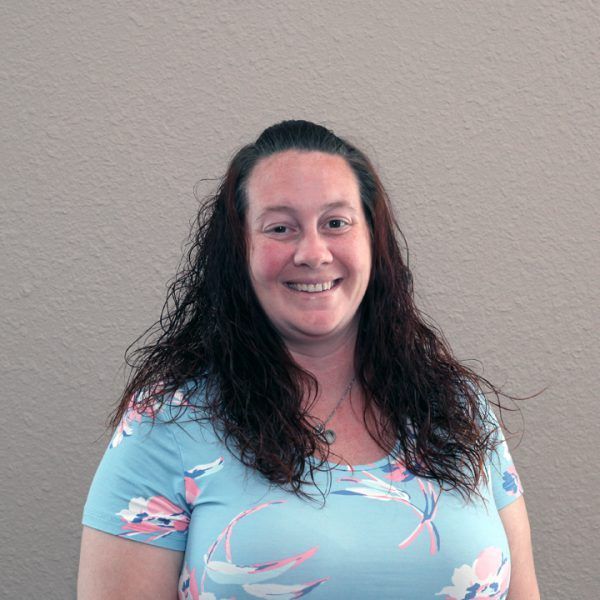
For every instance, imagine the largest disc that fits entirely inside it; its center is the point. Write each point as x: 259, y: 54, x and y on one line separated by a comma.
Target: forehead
x: 294, y: 177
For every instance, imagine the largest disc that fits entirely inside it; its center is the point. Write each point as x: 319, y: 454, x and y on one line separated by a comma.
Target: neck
x: 332, y: 365
x: 333, y: 362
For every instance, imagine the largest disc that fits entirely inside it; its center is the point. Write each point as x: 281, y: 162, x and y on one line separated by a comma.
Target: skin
x: 523, y: 581
x: 114, y: 568
x: 305, y: 224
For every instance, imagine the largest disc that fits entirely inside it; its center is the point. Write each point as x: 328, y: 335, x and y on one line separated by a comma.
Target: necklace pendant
x: 325, y: 434
x: 329, y: 436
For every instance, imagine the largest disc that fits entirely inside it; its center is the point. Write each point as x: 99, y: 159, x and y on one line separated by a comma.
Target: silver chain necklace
x: 327, y: 434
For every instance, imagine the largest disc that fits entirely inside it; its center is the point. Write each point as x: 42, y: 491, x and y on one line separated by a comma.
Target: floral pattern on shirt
x: 487, y: 577
x: 374, y: 488
x: 158, y: 517
x: 133, y: 414
x: 155, y: 517
x: 251, y: 578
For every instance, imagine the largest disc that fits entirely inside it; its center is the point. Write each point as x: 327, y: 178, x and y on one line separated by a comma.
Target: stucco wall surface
x: 483, y: 120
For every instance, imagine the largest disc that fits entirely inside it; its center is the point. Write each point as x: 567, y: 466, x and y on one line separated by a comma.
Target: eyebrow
x: 291, y: 209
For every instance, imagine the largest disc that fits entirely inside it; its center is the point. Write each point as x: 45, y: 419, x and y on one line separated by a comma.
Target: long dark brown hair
x: 214, y: 336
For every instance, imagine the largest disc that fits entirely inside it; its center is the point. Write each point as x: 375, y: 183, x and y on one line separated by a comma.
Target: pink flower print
x: 124, y: 428
x: 487, y: 577
x: 228, y: 572
x: 251, y: 577
x: 282, y: 592
x: 192, y: 491
x: 133, y: 414
x: 396, y: 471
x: 188, y: 587
x: 376, y: 489
x: 155, y: 516
x: 427, y: 515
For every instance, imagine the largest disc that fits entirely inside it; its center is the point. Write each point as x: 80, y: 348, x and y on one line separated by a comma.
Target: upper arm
x: 136, y: 516
x: 523, y: 582
x: 114, y: 568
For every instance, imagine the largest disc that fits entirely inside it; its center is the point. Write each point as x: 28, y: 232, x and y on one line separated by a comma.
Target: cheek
x: 359, y: 256
x: 266, y: 261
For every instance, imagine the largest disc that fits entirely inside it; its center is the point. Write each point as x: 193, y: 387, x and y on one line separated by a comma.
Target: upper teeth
x: 311, y: 287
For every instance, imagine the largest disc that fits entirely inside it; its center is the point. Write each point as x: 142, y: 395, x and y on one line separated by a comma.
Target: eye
x: 278, y: 230
x: 337, y: 223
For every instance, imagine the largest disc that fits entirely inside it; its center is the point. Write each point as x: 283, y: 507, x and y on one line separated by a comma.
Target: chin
x: 319, y: 331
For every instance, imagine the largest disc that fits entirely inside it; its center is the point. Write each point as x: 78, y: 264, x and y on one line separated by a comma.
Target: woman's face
x: 309, y: 245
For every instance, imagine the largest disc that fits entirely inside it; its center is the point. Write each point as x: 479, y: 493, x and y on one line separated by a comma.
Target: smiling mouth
x: 314, y: 288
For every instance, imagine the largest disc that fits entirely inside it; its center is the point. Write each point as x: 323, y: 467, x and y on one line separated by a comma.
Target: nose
x: 312, y: 250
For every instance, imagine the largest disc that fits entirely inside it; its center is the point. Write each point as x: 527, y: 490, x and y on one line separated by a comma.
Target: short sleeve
x: 506, y: 484
x: 138, y: 491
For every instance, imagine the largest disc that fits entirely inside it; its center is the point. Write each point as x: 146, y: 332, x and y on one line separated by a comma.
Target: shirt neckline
x: 372, y: 466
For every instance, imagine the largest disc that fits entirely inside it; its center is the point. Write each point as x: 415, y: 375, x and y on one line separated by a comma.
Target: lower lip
x: 317, y: 294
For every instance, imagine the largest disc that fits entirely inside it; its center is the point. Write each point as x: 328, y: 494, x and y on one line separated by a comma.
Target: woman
x: 297, y: 429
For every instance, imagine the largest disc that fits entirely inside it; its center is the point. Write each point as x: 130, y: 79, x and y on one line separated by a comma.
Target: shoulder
x: 162, y: 405
x: 160, y: 430
x: 141, y: 489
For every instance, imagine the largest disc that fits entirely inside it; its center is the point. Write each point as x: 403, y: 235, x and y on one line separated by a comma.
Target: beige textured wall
x: 483, y: 119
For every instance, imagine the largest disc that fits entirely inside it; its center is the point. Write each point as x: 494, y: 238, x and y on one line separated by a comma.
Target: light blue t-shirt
x: 382, y: 533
